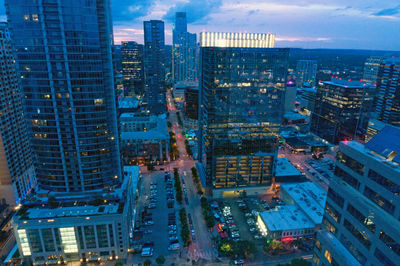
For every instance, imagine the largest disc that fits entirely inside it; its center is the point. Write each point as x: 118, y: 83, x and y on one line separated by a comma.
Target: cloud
x: 130, y: 10
x: 197, y: 10
x: 388, y: 11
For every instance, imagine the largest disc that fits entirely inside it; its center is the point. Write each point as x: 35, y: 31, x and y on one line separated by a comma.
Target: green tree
x: 147, y: 262
x: 119, y: 263
x: 160, y: 260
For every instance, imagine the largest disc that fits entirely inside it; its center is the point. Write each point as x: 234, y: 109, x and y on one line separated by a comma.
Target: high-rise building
x: 306, y: 72
x: 132, y: 60
x: 66, y: 69
x: 241, y: 108
x: 371, y: 68
x: 17, y: 175
x: 154, y: 70
x: 341, y: 110
x: 132, y: 67
x: 83, y: 208
x: 362, y: 211
x: 184, y: 51
x: 388, y: 92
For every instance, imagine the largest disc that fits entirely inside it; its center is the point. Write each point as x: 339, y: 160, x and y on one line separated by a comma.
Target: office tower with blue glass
x: 362, y: 212
x: 306, y: 72
x: 154, y: 70
x: 341, y: 110
x: 388, y: 92
x: 132, y: 67
x: 17, y: 175
x: 371, y: 69
x: 242, y: 93
x: 82, y: 203
x: 184, y: 51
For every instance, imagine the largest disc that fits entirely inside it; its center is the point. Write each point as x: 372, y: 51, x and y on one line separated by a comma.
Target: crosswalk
x: 201, y: 254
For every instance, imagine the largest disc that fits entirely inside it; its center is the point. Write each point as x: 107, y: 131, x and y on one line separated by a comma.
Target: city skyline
x: 304, y: 24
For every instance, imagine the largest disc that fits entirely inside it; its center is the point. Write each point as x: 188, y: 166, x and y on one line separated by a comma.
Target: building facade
x: 66, y: 70
x: 388, y: 92
x: 241, y: 107
x: 371, y: 69
x: 132, y: 67
x: 362, y: 212
x: 17, y: 175
x: 341, y: 110
x: 144, y: 138
x: 184, y: 51
x: 306, y: 72
x: 191, y: 107
x: 91, y: 227
x: 154, y: 69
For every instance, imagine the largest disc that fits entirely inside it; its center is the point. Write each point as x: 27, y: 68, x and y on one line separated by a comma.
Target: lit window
x: 35, y: 17
x: 328, y: 256
x: 98, y: 101
x: 26, y: 17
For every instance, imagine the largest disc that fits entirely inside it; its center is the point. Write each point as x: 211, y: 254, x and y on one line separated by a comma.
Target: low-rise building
x: 68, y: 227
x: 287, y: 172
x: 144, y: 138
x: 301, y: 215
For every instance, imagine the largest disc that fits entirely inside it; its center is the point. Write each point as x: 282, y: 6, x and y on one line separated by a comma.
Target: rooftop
x: 345, y: 83
x: 128, y: 102
x: 288, y: 217
x: 309, y: 197
x: 386, y: 143
x: 285, y: 168
x: 160, y: 131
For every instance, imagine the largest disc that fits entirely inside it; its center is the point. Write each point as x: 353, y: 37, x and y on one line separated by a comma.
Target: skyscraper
x: 388, y: 92
x: 154, y: 72
x: 17, y: 175
x: 341, y: 110
x: 241, y: 107
x: 63, y: 51
x: 132, y: 66
x: 306, y: 71
x: 362, y: 211
x: 371, y: 68
x: 184, y: 51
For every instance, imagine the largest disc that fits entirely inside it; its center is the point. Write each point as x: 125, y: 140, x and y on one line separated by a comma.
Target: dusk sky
x: 354, y: 24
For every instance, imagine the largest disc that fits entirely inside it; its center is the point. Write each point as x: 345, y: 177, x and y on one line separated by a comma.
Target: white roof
x: 284, y: 218
x: 285, y: 168
x: 309, y: 197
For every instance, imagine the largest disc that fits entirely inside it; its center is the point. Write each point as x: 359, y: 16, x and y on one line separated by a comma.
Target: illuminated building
x: 362, y: 211
x: 17, y: 175
x: 191, y: 107
x: 341, y: 110
x: 306, y: 71
x: 67, y: 227
x: 132, y: 67
x: 238, y: 40
x: 154, y: 69
x: 241, y: 108
x: 388, y: 92
x: 67, y: 80
x: 371, y: 68
x: 184, y: 51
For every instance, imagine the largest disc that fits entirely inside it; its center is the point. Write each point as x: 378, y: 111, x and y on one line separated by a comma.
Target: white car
x: 147, y: 252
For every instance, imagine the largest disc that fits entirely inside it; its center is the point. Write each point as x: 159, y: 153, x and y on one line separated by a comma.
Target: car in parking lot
x: 148, y: 231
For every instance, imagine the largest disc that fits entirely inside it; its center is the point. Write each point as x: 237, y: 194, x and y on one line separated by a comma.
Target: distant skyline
x: 342, y: 24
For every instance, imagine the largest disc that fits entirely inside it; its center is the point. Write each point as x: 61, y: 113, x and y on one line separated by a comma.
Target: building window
x: 353, y: 249
x: 351, y: 163
x: 332, y: 212
x: 329, y: 226
x: 339, y: 200
x: 48, y: 240
x: 102, y: 239
x: 347, y: 178
x: 390, y: 242
x: 328, y: 256
x: 316, y: 259
x: 318, y: 245
x: 378, y: 199
x: 367, y: 222
x: 383, y: 181
x: 89, y: 236
x: 361, y: 236
x: 383, y: 258
x: 34, y: 240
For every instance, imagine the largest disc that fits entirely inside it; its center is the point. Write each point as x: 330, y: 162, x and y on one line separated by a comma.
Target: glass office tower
x: 154, y: 70
x: 63, y: 51
x: 17, y: 175
x: 241, y: 107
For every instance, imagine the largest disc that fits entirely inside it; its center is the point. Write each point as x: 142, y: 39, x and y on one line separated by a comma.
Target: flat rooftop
x: 308, y: 197
x: 128, y: 102
x: 160, y: 131
x: 285, y: 168
x: 40, y: 213
x: 386, y: 143
x: 345, y: 83
x: 289, y: 217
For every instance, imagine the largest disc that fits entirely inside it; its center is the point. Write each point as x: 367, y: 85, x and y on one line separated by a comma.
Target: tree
x: 273, y: 247
x: 160, y: 260
x: 119, y: 263
x: 147, y: 262
x: 150, y: 167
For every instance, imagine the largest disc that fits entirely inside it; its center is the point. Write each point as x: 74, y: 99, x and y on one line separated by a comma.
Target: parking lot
x: 157, y: 222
